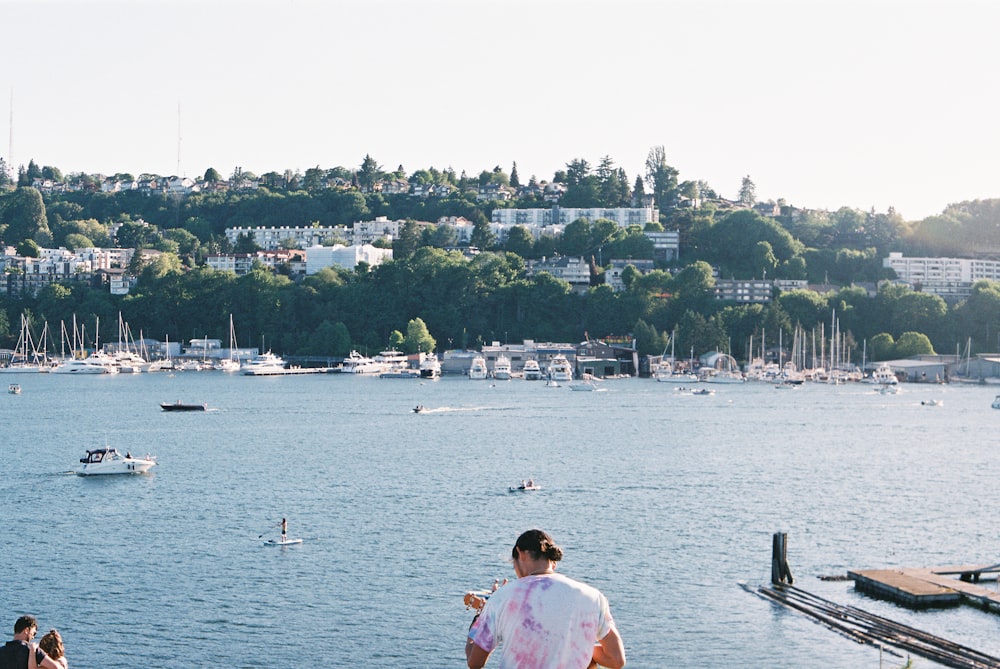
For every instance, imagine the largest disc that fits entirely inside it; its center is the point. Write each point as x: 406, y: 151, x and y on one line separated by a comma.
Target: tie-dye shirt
x: 543, y: 622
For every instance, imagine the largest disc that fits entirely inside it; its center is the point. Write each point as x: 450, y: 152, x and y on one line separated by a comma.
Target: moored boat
x: 430, y: 367
x: 478, y: 371
x: 501, y: 368
x: 560, y: 369
x: 532, y: 371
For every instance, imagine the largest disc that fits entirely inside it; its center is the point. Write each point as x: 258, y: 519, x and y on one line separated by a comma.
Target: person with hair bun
x: 544, y: 620
x: 52, y: 644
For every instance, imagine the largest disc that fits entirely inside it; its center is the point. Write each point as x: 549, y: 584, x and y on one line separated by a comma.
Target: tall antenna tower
x: 179, y: 140
x: 10, y: 144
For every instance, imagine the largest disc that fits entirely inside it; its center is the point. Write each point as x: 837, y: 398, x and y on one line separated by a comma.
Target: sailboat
x: 25, y: 356
x: 232, y: 363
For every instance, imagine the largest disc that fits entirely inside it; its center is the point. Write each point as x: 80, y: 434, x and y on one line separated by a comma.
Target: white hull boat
x: 560, y: 369
x: 478, y: 371
x: 532, y: 372
x: 106, y: 461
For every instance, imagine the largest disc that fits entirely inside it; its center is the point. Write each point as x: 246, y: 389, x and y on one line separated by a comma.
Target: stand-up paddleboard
x: 282, y: 542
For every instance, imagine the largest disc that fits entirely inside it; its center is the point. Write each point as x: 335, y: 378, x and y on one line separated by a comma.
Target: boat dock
x: 931, y: 587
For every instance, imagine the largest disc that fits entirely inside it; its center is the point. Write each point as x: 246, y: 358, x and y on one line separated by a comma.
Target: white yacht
x: 356, y: 363
x: 501, y: 368
x: 884, y: 376
x: 266, y: 364
x: 532, y: 372
x: 430, y: 367
x: 109, y: 461
x: 560, y: 369
x: 478, y: 371
x: 95, y: 363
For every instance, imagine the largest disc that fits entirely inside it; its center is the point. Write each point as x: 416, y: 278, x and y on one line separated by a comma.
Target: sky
x: 871, y: 104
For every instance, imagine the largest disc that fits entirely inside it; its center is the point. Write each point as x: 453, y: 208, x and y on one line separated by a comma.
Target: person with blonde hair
x: 544, y: 620
x: 52, y: 644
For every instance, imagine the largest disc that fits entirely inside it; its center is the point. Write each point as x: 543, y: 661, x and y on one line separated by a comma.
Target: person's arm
x: 475, y: 656
x: 49, y: 663
x: 609, y: 651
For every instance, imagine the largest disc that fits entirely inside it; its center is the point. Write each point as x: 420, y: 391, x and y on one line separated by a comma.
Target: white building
x: 345, y: 257
x: 575, y: 271
x: 623, y: 216
x: 949, y: 278
x: 271, y: 239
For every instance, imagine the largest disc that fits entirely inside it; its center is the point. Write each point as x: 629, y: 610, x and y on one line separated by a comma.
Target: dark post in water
x: 780, y: 572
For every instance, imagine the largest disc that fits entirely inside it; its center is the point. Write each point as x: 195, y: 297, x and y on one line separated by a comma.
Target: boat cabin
x: 98, y: 455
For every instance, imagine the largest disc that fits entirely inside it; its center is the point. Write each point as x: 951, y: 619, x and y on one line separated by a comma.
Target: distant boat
x: 501, y: 368
x: 883, y: 375
x: 525, y: 486
x: 478, y: 371
x: 430, y: 367
x: 14, y: 389
x: 532, y: 372
x: 263, y: 365
x: 355, y: 363
x: 996, y: 402
x: 179, y: 406
x: 560, y: 369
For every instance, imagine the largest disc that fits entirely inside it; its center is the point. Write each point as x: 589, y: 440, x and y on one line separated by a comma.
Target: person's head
x: 536, y: 545
x: 52, y: 644
x: 26, y: 625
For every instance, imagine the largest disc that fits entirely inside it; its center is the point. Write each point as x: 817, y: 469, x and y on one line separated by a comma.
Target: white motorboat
x: 14, y: 389
x: 996, y: 402
x: 96, y: 363
x: 587, y: 386
x: 107, y: 460
x: 478, y: 371
x: 532, y: 371
x: 266, y: 364
x: 355, y: 363
x: 430, y: 367
x: 501, y: 368
x: 560, y: 369
x: 525, y: 486
x: 884, y: 376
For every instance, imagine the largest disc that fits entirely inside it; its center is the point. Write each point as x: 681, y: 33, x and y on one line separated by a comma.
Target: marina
x: 664, y: 500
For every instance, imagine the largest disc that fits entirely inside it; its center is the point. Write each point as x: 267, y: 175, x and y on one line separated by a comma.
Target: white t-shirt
x: 548, y: 621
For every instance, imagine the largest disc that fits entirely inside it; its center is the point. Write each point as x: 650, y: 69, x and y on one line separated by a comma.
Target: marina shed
x: 932, y: 369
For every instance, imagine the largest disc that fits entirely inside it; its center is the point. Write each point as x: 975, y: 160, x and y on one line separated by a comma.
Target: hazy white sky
x: 873, y: 103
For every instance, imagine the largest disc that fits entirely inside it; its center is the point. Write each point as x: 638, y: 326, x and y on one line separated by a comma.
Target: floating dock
x: 931, y: 587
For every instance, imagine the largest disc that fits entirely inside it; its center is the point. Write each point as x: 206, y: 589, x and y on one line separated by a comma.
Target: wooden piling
x: 780, y: 572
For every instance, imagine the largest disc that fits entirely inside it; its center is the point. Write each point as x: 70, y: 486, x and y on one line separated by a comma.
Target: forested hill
x: 464, y: 303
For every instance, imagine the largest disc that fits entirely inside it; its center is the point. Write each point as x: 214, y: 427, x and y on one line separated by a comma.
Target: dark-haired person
x: 544, y: 620
x: 16, y: 654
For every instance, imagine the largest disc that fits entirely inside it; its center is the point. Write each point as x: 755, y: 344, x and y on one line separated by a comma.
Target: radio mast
x: 179, y: 140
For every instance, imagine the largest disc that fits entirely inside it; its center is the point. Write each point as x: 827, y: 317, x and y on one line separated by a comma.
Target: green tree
x: 212, y: 176
x: 520, y: 241
x: 369, y: 174
x: 661, y: 178
x: 23, y: 217
x: 911, y: 344
x: 881, y: 346
x: 418, y: 338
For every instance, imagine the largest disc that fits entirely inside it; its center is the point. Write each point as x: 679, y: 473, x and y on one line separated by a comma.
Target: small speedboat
x: 526, y: 486
x: 420, y: 408
x: 180, y: 406
x: 702, y: 391
x: 109, y: 461
x: 931, y: 403
x: 14, y: 389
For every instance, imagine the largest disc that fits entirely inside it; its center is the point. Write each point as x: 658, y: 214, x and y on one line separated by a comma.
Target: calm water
x: 664, y: 501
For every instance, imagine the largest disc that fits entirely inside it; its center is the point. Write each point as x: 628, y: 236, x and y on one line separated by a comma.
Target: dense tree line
x: 466, y: 303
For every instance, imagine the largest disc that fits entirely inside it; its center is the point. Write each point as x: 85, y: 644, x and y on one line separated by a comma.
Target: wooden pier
x: 931, y: 587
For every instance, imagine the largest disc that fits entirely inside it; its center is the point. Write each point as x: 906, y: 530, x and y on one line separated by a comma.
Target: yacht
x: 356, y: 363
x: 430, y: 367
x: 532, y: 372
x: 501, y: 368
x: 110, y: 461
x: 884, y: 376
x: 391, y: 360
x: 478, y: 372
x: 95, y: 363
x: 560, y: 369
x: 266, y: 364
